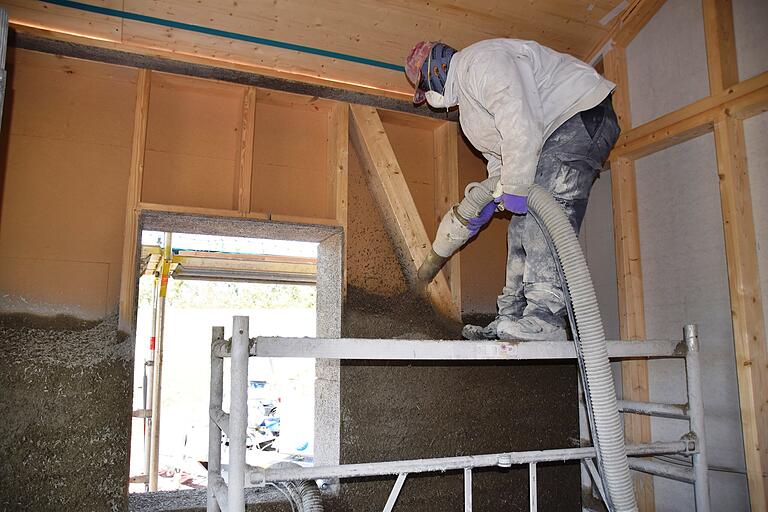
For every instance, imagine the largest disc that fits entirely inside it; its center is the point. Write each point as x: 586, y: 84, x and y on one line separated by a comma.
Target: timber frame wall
x: 722, y: 112
x: 383, y: 173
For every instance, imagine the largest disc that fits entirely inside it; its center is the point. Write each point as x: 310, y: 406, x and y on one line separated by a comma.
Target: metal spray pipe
x: 453, y: 231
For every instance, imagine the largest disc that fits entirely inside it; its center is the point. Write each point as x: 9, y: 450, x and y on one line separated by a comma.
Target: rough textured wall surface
x: 683, y: 253
x: 685, y: 281
x: 66, y: 413
x: 371, y: 261
x: 667, y: 62
x: 398, y: 410
x: 755, y: 133
x: 751, y: 35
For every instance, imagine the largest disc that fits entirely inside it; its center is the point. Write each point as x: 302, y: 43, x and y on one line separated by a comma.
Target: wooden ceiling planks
x: 65, y: 19
x: 377, y: 30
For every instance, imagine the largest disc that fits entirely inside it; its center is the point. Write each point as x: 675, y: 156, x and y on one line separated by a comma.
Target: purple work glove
x: 513, y: 203
x: 482, y: 218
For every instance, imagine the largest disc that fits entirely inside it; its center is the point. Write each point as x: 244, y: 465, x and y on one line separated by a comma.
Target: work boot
x: 478, y: 332
x: 530, y: 328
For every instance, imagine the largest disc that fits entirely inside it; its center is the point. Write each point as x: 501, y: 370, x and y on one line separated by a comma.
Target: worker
x: 537, y: 116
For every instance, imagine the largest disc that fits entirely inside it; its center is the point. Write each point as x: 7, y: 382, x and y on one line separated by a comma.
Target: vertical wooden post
x: 746, y: 303
x: 629, y: 274
x: 447, y: 193
x: 244, y: 171
x: 135, y: 178
x: 338, y: 167
x: 741, y: 253
x: 721, y: 45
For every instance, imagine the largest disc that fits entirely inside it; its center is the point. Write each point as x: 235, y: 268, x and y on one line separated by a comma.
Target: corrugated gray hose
x: 608, y: 431
x: 584, y: 315
x: 304, y: 496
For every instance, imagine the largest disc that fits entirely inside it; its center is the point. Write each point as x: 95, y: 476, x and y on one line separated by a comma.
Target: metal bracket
x: 692, y: 443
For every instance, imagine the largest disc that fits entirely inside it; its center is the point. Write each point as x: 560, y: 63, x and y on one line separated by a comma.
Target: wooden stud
x: 338, y: 166
x: 721, y: 45
x: 244, y: 171
x: 746, y: 303
x: 634, y: 18
x: 743, y: 100
x: 214, y: 212
x: 192, y: 210
x: 127, y: 308
x: 741, y: 252
x: 297, y: 219
x: 615, y: 67
x: 447, y: 194
x: 390, y: 191
x: 629, y: 274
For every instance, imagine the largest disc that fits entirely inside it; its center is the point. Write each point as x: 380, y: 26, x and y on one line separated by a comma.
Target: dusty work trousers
x: 570, y: 161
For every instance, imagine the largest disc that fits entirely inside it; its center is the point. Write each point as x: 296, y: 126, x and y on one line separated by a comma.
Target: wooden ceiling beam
x: 624, y: 27
x: 354, y: 45
x: 78, y: 48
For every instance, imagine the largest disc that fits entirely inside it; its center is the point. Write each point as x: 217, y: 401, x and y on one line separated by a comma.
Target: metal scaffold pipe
x: 149, y: 366
x: 238, y: 413
x: 154, y: 459
x: 696, y: 413
x: 258, y: 476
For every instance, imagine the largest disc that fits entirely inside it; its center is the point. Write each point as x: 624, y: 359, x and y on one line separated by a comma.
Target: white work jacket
x: 512, y: 95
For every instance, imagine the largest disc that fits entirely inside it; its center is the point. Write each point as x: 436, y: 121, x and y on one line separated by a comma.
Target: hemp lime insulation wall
x: 412, y: 410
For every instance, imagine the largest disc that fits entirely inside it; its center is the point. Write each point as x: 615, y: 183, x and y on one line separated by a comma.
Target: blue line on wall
x: 223, y: 33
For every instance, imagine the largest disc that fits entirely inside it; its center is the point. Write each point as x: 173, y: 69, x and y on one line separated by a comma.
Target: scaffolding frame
x: 229, y: 496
